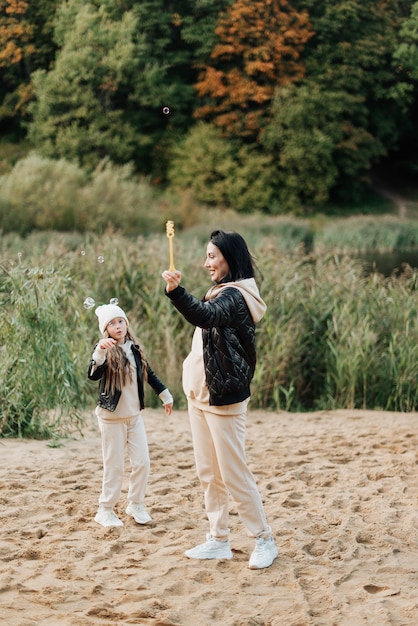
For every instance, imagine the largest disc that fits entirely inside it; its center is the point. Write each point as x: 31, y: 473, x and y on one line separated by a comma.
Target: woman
x: 216, y: 380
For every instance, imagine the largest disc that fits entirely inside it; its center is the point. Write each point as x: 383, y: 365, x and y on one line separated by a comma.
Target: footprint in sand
x: 384, y: 591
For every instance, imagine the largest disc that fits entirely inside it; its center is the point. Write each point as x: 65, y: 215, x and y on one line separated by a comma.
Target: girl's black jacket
x: 110, y: 401
x: 228, y: 333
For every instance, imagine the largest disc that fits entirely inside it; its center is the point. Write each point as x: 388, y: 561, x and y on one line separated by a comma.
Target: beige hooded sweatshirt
x: 194, y: 381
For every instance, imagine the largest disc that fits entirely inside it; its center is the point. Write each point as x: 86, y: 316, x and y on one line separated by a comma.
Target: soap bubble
x: 166, y: 110
x: 89, y: 303
x: 100, y: 259
x: 113, y: 301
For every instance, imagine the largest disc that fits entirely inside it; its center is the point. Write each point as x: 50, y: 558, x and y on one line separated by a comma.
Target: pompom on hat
x: 107, y: 312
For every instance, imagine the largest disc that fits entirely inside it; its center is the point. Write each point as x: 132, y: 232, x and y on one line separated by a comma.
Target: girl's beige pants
x: 116, y: 437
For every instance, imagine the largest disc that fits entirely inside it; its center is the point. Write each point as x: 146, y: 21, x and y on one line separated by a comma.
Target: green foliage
x: 26, y: 45
x: 38, y: 363
x: 335, y: 338
x: 114, y: 198
x: 10, y: 153
x: 332, y: 337
x: 358, y: 107
x: 165, y: 66
x: 41, y: 193
x: 407, y: 52
x: 116, y: 70
x: 406, y: 64
x: 95, y: 77
x: 88, y: 82
x: 199, y: 27
x: 286, y: 234
x: 222, y: 172
x: 305, y: 129
x: 367, y: 337
x: 362, y: 234
x: 78, y: 113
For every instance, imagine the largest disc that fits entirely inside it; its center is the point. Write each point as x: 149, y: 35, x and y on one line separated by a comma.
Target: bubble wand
x: 169, y: 230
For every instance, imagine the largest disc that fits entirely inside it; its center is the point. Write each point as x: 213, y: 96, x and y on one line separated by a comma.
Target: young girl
x: 119, y: 363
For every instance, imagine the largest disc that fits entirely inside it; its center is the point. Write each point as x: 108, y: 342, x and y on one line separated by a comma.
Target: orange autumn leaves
x: 259, y: 46
x: 15, y: 32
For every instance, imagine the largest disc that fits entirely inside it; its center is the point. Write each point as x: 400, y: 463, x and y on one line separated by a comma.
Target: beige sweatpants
x: 221, y: 464
x: 116, y: 437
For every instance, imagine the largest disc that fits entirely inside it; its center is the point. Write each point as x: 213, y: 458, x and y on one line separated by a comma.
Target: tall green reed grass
x: 40, y: 383
x: 332, y: 336
x: 364, y: 233
x: 347, y: 340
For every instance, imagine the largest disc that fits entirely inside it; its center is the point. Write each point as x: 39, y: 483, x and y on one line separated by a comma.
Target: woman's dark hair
x: 236, y: 254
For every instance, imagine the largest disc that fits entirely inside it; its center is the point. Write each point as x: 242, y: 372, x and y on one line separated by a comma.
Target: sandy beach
x: 340, y: 490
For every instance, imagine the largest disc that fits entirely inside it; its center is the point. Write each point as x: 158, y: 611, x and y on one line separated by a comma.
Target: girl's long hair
x: 118, y: 371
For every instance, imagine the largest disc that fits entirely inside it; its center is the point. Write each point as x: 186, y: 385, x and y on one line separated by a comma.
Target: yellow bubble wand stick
x: 169, y: 230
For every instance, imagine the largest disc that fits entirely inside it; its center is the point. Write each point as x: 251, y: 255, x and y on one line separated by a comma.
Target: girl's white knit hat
x: 107, y: 312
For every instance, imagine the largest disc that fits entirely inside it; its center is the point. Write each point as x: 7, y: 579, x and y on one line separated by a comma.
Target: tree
x: 199, y: 26
x: 222, y: 172
x: 259, y: 46
x: 406, y: 59
x: 308, y: 129
x: 407, y: 51
x: 162, y: 96
x: 15, y: 47
x: 25, y: 44
x: 15, y: 32
x: 79, y: 107
x: 348, y: 111
x: 122, y: 83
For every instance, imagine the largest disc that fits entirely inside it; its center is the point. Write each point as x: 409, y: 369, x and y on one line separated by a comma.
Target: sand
x: 340, y: 491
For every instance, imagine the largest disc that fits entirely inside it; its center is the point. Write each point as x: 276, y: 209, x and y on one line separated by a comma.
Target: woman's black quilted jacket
x: 228, y: 333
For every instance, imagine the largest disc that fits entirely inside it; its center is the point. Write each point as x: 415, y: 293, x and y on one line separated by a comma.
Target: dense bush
x: 43, y: 194
x: 332, y: 336
x: 222, y: 173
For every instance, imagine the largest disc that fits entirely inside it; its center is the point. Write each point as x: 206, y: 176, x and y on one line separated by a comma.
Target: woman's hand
x: 172, y: 279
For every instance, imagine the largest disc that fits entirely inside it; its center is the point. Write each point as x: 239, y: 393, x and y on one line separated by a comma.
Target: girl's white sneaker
x: 138, y: 512
x: 107, y: 517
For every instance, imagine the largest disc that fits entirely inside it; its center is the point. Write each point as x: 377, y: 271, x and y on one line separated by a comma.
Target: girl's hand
x: 106, y: 344
x: 172, y: 279
x: 168, y: 408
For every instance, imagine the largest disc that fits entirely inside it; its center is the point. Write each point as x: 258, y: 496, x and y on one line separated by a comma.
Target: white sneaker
x: 138, y: 512
x: 264, y: 553
x: 211, y: 549
x: 107, y: 517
